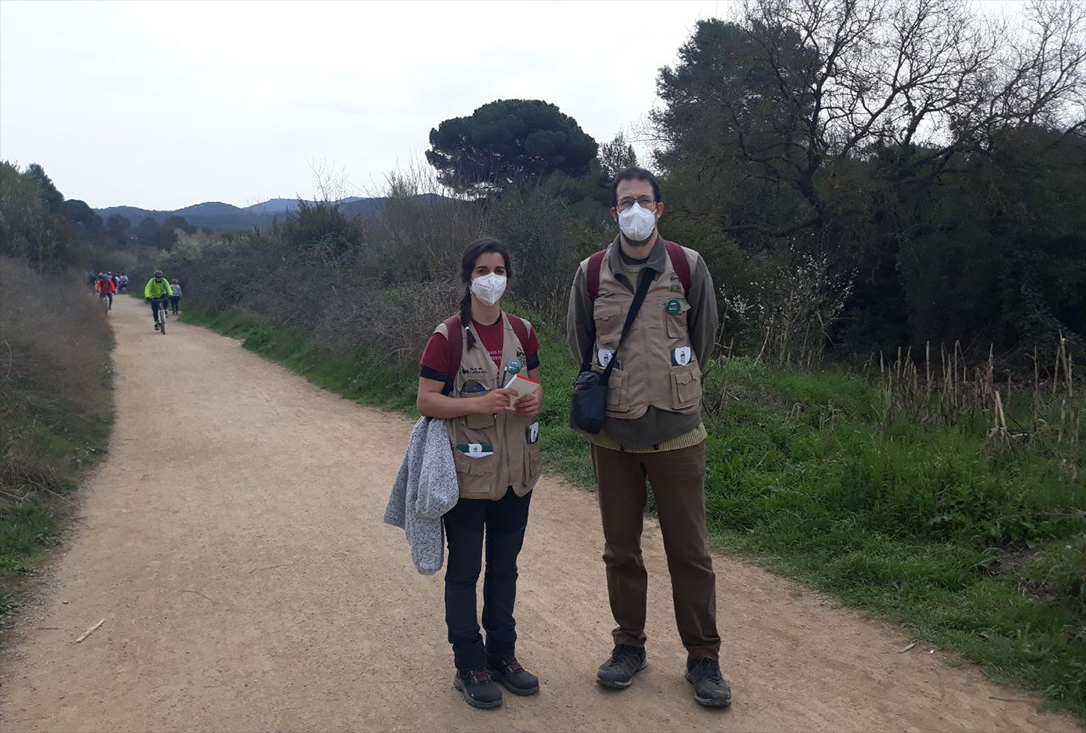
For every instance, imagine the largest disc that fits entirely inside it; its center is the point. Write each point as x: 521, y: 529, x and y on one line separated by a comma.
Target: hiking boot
x: 710, y: 689
x: 156, y: 326
x: 618, y: 671
x: 478, y: 690
x: 514, y: 677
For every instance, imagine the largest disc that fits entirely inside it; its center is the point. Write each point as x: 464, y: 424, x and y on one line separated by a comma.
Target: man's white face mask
x: 637, y: 223
x: 489, y: 288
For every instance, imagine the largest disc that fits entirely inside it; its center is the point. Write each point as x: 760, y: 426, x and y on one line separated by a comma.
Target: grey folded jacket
x: 424, y: 490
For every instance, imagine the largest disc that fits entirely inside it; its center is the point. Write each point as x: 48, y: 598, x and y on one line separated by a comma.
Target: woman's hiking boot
x: 478, y: 690
x: 710, y: 689
x: 618, y: 671
x: 514, y: 677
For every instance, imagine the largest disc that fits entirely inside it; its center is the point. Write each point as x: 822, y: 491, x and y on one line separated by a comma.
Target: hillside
x: 227, y: 217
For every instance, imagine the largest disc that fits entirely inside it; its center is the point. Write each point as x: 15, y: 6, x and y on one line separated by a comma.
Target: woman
x: 467, y: 362
x: 175, y: 298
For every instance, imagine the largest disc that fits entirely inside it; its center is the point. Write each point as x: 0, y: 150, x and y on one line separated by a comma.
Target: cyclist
x: 124, y: 283
x: 105, y: 288
x: 156, y: 292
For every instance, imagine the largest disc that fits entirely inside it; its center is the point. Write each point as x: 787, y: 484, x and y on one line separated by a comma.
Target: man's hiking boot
x: 710, y: 689
x: 478, y: 690
x: 618, y: 671
x: 514, y: 677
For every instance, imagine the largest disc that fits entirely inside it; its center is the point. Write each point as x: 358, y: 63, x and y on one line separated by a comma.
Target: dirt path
x: 233, y: 545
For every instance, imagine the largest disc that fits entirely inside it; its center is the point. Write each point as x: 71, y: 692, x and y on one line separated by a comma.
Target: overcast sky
x: 166, y: 104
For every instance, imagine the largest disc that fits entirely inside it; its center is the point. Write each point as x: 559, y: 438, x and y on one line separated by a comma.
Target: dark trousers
x: 110, y: 296
x: 678, y: 485
x: 504, y: 522
x: 174, y: 301
x: 156, y: 303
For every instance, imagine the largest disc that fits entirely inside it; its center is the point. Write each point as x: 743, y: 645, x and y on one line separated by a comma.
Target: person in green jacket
x: 157, y: 291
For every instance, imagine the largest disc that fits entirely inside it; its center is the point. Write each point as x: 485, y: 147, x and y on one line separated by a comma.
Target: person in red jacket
x: 106, y: 286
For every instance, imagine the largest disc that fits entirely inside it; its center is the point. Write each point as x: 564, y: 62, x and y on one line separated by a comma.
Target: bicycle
x: 160, y: 315
x: 103, y: 300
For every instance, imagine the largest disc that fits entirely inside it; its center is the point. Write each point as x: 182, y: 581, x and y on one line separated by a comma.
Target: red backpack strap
x: 595, y: 262
x: 456, y: 350
x: 679, y: 263
x: 520, y: 328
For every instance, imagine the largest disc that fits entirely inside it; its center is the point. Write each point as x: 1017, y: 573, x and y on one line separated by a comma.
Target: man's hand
x: 493, y: 402
x: 528, y: 405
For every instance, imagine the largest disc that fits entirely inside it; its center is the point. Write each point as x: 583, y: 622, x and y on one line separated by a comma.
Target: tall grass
x: 55, y: 410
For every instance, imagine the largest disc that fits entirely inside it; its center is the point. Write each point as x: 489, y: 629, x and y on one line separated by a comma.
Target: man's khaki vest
x: 657, y: 366
x: 512, y: 440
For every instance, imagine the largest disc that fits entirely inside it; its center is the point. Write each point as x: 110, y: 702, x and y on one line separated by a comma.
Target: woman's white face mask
x: 489, y: 288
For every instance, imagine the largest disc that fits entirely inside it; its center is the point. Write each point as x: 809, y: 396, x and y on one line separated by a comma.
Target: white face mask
x: 637, y: 223
x: 489, y: 288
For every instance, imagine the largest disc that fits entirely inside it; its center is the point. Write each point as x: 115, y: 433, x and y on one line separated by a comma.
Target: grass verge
x: 980, y: 551
x: 55, y: 415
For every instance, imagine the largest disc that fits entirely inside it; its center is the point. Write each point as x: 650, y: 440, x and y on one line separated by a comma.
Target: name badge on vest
x: 531, y: 433
x: 604, y: 356
x: 476, y: 450
x: 680, y: 356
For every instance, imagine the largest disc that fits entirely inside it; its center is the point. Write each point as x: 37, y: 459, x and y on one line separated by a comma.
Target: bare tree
x: 921, y: 80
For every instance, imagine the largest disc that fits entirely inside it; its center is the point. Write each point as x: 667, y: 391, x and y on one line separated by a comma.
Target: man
x: 105, y: 286
x: 653, y: 429
x: 157, y: 291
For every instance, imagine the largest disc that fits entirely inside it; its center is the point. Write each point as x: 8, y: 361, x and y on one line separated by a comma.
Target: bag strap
x: 456, y: 351
x: 520, y: 328
x: 643, y: 284
x: 674, y: 251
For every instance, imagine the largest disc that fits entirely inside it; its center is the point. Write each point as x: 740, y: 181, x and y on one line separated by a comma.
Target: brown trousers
x: 678, y: 485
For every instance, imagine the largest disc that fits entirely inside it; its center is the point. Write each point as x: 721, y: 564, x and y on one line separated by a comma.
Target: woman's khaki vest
x: 511, y: 441
x: 657, y: 366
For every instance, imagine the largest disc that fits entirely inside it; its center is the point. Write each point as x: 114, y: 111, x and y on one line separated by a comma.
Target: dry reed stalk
x: 927, y: 369
x: 1036, y: 388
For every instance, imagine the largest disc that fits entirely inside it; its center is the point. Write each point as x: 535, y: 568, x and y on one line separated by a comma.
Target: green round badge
x: 674, y: 308
x: 513, y: 366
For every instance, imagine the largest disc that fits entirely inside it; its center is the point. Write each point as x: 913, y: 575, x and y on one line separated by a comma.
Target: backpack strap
x: 595, y: 262
x: 674, y: 251
x: 520, y: 328
x: 455, y: 337
x: 679, y: 263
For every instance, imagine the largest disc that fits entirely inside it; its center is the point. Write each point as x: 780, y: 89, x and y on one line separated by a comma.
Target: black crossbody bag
x: 588, y: 408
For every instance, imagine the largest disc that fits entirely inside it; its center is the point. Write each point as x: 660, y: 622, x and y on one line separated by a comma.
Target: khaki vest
x: 514, y: 440
x: 657, y: 366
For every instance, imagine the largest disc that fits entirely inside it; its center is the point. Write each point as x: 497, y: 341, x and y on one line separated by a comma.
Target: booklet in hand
x: 522, y: 386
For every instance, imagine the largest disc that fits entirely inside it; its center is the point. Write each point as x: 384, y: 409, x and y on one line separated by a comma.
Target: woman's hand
x: 494, y: 401
x: 528, y: 405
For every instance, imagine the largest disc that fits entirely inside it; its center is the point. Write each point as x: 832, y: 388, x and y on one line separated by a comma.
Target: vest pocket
x: 477, y: 422
x: 475, y: 475
x: 677, y: 323
x: 685, y: 386
x: 533, y: 462
x: 609, y: 317
x: 483, y: 466
x: 616, y: 392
